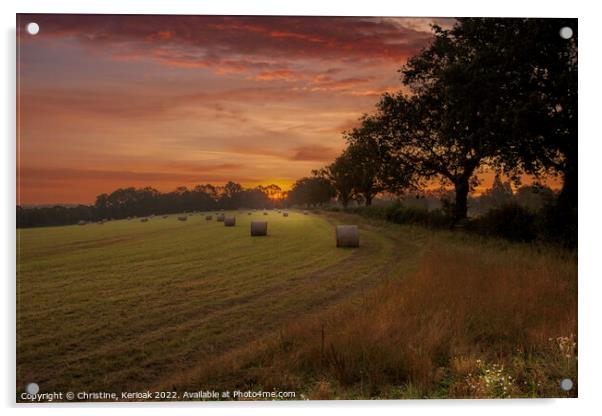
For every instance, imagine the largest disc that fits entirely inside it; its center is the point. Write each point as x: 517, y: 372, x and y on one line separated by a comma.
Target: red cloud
x: 315, y: 153
x: 250, y: 37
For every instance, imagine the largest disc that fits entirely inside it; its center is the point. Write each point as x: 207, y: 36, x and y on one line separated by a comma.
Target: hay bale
x: 259, y: 228
x: 182, y: 218
x: 220, y: 217
x: 265, y: 213
x: 285, y: 214
x: 347, y: 236
x: 230, y: 221
x: 208, y: 217
x: 143, y: 219
x: 249, y: 213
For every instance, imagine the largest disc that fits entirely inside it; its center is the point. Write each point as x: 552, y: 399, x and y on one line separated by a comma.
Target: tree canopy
x: 488, y: 93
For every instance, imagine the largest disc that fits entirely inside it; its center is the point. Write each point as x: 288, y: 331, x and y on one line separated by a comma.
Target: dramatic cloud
x: 205, y: 39
x: 315, y: 153
x: 108, y: 101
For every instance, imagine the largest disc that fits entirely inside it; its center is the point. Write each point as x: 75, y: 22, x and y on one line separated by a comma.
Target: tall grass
x: 471, y: 322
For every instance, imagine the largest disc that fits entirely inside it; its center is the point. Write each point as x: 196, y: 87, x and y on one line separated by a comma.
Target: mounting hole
x: 32, y: 388
x: 566, y: 32
x: 32, y: 28
x: 566, y: 384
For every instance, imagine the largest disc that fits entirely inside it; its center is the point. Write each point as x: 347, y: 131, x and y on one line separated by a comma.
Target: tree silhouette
x: 341, y: 174
x: 314, y: 190
x: 373, y: 168
x: 529, y: 94
x: 488, y: 92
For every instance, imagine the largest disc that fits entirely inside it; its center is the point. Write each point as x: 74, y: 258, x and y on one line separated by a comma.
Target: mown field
x: 171, y: 305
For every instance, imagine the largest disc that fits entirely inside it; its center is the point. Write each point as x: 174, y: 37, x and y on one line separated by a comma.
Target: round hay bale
x: 347, y: 236
x: 230, y: 221
x: 259, y: 228
x: 208, y: 217
x: 285, y: 214
x: 182, y: 218
x: 143, y: 219
x: 220, y: 217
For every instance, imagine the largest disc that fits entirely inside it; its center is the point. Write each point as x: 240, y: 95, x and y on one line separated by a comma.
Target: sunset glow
x: 163, y: 101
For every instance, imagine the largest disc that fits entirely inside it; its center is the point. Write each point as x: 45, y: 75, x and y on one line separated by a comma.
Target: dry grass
x: 475, y: 320
x: 411, y: 313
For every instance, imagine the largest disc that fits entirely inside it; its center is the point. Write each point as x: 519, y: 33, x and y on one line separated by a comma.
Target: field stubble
x: 195, y: 305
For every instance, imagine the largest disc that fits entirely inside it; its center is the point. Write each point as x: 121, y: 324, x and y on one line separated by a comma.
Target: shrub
x: 559, y: 225
x: 511, y: 221
x: 551, y: 224
x: 401, y: 214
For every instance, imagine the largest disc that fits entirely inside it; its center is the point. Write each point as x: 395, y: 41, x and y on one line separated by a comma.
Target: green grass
x: 186, y: 306
x: 127, y: 305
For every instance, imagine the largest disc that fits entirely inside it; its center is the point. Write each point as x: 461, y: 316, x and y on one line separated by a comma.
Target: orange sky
x: 163, y: 101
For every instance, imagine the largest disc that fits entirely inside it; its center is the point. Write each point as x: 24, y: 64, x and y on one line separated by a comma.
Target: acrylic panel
x: 292, y: 208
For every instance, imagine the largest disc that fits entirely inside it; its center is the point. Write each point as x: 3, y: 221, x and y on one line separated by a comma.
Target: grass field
x: 130, y: 306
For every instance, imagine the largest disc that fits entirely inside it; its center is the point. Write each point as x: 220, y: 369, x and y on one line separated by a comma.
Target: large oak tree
x: 488, y: 92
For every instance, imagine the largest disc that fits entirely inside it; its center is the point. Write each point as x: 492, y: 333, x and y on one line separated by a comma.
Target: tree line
x: 497, y: 94
x: 133, y: 202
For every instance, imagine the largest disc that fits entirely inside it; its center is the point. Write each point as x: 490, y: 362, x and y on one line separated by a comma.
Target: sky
x: 111, y: 101
x: 107, y: 101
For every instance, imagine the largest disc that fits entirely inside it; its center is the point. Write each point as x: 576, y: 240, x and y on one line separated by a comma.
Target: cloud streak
x: 108, y: 101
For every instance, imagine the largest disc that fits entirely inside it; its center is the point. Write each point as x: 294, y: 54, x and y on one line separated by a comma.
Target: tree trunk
x: 461, y: 205
x: 368, y: 198
x: 344, y: 202
x: 568, y: 194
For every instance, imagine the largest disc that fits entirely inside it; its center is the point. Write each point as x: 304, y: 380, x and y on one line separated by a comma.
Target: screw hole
x: 566, y: 384
x: 32, y: 28
x: 32, y: 388
x: 566, y: 32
